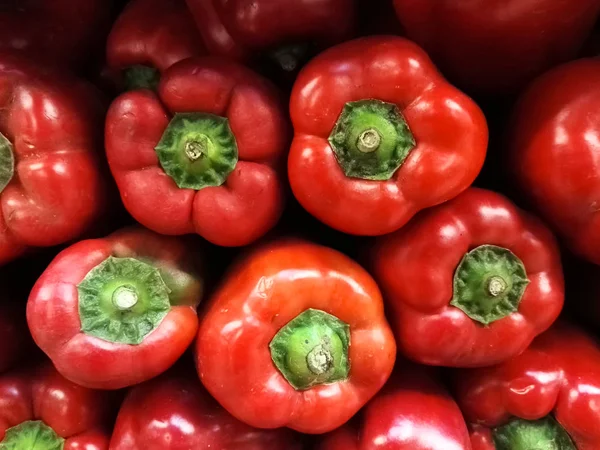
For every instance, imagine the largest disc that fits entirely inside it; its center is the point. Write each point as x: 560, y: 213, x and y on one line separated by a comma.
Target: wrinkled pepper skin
x: 554, y: 152
x: 153, y: 33
x: 261, y: 297
x: 497, y: 47
x: 193, y: 421
x: 58, y: 32
x: 79, y: 415
x: 49, y: 126
x: 417, y: 270
x: 558, y: 375
x: 55, y: 315
x: 241, y: 28
x: 250, y: 200
x: 414, y: 402
x: 449, y: 130
x: 13, y: 339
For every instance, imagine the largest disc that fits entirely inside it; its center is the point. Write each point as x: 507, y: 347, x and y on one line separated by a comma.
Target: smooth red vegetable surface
x: 417, y: 266
x: 52, y: 188
x: 249, y: 201
x: 61, y: 32
x: 558, y: 375
x: 495, y: 47
x: 555, y: 152
x: 449, y: 131
x: 412, y: 412
x: 92, y: 356
x: 78, y: 415
x: 239, y: 28
x: 260, y: 298
x: 174, y: 412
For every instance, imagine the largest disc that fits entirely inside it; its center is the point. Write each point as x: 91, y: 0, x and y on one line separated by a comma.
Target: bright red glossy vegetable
x: 555, y: 148
x: 51, y: 187
x: 42, y: 410
x: 380, y: 135
x: 545, y: 398
x: 495, y: 47
x: 61, y: 32
x: 174, y: 412
x: 203, y: 154
x: 295, y: 336
x: 148, y: 37
x: 117, y: 311
x: 412, y: 412
x: 471, y: 282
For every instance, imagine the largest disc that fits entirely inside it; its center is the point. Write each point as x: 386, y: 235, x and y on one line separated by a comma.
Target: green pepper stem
x: 496, y: 286
x: 542, y: 434
x: 125, y: 297
x: 369, y: 141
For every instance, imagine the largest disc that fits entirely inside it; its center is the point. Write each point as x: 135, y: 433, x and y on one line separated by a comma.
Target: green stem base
x: 32, y: 435
x: 542, y: 434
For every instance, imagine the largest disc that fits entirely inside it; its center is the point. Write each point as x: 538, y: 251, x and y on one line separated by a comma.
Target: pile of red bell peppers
x: 299, y: 225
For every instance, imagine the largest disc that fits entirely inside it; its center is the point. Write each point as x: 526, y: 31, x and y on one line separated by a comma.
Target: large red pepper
x: 42, y: 410
x: 496, y: 47
x: 555, y: 150
x: 471, y: 282
x: 203, y: 154
x: 295, y: 336
x: 545, y: 398
x: 51, y: 187
x: 380, y: 135
x: 412, y: 412
x: 174, y: 412
x: 117, y: 311
x: 58, y: 32
x: 149, y: 37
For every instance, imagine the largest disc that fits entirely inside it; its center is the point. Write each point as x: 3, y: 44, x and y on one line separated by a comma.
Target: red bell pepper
x: 412, y: 412
x: 42, y: 410
x: 380, y: 135
x: 554, y: 152
x: 51, y: 187
x: 12, y: 334
x: 148, y: 37
x: 545, y: 398
x: 203, y: 154
x: 117, y: 311
x: 241, y: 28
x: 497, y: 47
x: 471, y: 282
x: 295, y: 336
x: 58, y: 32
x: 191, y: 418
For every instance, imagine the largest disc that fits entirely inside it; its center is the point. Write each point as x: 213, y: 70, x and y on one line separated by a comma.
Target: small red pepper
x: 51, y: 186
x: 295, y: 336
x: 117, y: 311
x: 174, y: 412
x: 412, y: 412
x: 380, y: 135
x: 204, y: 154
x: 150, y: 36
x: 545, y: 398
x: 42, y: 410
x: 470, y: 282
x: 554, y: 152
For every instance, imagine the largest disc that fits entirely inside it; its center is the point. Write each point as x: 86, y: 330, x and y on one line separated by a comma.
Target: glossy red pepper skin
x: 55, y: 324
x: 58, y: 32
x: 558, y: 374
x: 449, y: 128
x: 157, y: 33
x: 240, y: 28
x: 415, y: 268
x: 261, y: 294
x: 412, y: 412
x: 58, y: 190
x: 192, y: 418
x: 495, y: 47
x: 79, y: 415
x: 250, y: 201
x: 554, y: 152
